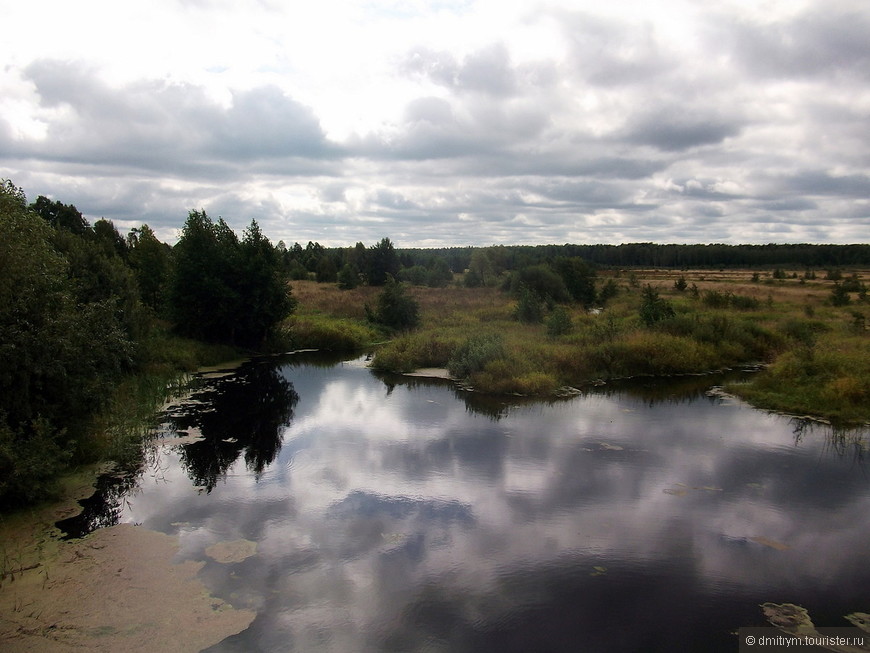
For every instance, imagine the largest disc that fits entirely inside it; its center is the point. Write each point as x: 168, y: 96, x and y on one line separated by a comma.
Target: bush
x: 541, y: 280
x: 474, y: 354
x: 653, y: 308
x: 839, y: 295
x: 559, y: 322
x: 530, y: 306
x: 396, y: 309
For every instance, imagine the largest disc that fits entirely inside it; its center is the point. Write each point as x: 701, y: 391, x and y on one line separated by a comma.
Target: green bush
x: 653, y: 308
x: 474, y: 354
x: 530, y: 306
x: 396, y: 309
x: 558, y: 322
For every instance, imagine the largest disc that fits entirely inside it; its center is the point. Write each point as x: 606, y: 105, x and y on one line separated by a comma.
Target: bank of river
x: 117, y: 589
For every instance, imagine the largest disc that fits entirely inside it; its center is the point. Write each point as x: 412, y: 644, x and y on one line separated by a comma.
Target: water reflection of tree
x: 241, y: 413
x: 104, y: 507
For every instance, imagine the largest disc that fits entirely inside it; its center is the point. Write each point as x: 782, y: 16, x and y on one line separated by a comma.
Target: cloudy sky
x: 451, y: 122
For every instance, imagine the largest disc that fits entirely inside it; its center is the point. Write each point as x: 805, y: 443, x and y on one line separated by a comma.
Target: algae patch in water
x: 234, y: 551
x: 773, y: 544
x: 795, y: 620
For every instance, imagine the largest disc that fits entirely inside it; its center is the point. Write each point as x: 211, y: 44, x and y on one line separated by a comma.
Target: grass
x: 818, y: 354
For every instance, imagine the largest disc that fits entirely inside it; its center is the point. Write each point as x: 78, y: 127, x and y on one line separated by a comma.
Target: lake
x: 362, y: 512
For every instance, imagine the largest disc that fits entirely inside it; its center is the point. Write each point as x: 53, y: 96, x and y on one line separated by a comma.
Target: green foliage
x: 853, y: 283
x: 474, y: 354
x: 396, y: 309
x: 839, y: 295
x: 438, y: 273
x: 382, y: 262
x: 150, y: 261
x: 544, y: 282
x: 69, y: 313
x: 608, y: 291
x: 224, y: 290
x: 831, y: 379
x: 326, y: 332
x: 326, y: 270
x: 804, y: 332
x: 717, y: 299
x: 578, y: 277
x: 411, y: 351
x: 530, y: 306
x: 31, y: 461
x: 348, y: 277
x: 558, y: 322
x: 681, y: 284
x: 60, y: 216
x: 654, y: 308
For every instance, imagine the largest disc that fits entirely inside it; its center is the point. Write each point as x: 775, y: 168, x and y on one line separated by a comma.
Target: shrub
x: 541, y: 280
x: 839, y: 295
x: 474, y: 354
x: 559, y: 322
x: 348, y: 277
x: 653, y: 308
x: 608, y: 291
x: 396, y: 309
x: 530, y: 306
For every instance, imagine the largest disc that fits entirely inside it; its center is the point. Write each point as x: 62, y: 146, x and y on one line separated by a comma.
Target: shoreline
x: 115, y: 589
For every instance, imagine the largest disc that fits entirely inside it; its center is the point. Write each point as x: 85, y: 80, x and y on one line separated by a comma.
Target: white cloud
x: 469, y: 113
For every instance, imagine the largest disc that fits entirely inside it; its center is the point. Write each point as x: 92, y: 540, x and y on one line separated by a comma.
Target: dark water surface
x: 395, y: 514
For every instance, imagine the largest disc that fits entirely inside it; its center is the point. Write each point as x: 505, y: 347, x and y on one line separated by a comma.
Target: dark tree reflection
x: 245, y: 412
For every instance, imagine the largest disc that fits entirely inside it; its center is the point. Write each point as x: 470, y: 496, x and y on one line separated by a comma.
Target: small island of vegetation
x: 94, y: 325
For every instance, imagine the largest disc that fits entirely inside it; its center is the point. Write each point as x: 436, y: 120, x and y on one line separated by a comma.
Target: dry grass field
x: 817, y: 354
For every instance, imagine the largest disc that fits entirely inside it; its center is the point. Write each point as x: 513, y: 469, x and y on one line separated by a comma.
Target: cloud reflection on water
x: 403, y: 520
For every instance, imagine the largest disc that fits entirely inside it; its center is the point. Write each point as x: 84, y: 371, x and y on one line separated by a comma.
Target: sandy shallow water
x: 114, y: 590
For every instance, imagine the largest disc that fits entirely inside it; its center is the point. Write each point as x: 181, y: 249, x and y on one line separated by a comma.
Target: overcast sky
x: 449, y: 122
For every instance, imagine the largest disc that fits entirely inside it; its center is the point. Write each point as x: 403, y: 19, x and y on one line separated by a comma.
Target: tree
x: 224, y: 290
x: 839, y: 295
x: 382, y: 262
x: 396, y: 308
x: 63, y: 346
x: 264, y: 298
x: 578, y: 277
x: 60, y: 216
x: 542, y: 281
x: 653, y: 308
x: 348, y: 277
x: 150, y: 261
x: 530, y: 306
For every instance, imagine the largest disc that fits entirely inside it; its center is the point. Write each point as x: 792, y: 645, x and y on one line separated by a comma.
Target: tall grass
x: 819, y: 353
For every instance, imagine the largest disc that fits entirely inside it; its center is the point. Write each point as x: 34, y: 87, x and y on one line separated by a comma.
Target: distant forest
x: 656, y: 255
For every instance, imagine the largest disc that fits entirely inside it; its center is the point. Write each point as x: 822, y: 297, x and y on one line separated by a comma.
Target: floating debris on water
x: 773, y: 544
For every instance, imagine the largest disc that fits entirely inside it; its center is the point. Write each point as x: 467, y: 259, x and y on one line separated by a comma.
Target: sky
x: 447, y: 123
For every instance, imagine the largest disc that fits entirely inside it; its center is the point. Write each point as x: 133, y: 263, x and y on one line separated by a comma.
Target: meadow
x: 814, y: 355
